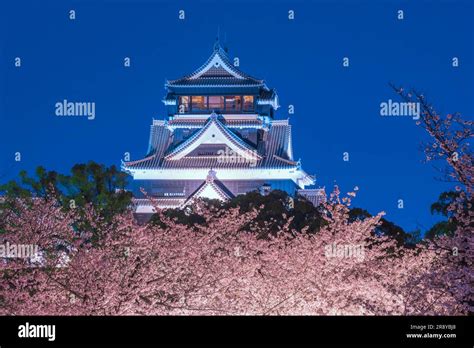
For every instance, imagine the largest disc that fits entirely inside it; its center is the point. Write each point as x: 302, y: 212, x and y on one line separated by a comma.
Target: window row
x: 234, y: 103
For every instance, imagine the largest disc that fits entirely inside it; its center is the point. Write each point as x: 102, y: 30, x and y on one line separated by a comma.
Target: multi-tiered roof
x: 273, y: 152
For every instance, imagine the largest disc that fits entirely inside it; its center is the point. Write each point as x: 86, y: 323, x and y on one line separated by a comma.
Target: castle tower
x: 219, y: 140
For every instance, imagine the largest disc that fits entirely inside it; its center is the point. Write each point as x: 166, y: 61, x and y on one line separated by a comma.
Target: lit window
x: 248, y: 102
x: 216, y: 103
x: 233, y: 103
x: 198, y: 103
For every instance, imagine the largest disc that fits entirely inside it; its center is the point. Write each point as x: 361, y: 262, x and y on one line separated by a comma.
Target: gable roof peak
x: 213, y: 132
x: 217, y: 45
x: 217, y: 70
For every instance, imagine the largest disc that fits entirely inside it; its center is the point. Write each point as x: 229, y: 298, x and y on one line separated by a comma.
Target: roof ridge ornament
x: 211, y: 176
x: 226, y: 49
x: 217, y: 45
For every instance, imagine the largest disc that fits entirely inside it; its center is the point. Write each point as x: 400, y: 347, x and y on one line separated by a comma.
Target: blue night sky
x: 336, y: 108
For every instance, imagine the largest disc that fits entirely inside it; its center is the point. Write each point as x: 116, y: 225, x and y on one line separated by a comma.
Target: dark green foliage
x: 441, y: 207
x: 386, y: 228
x: 443, y: 202
x: 442, y: 228
x: 185, y: 217
x: 102, y: 187
x: 44, y: 183
x: 277, y: 208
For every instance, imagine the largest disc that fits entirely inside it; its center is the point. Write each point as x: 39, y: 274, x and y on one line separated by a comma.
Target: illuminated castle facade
x: 220, y: 139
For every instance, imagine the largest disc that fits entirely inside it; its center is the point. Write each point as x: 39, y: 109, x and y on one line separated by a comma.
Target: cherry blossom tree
x: 217, y: 267
x: 449, y: 138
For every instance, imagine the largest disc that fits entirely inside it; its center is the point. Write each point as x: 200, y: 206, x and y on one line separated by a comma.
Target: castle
x: 220, y: 139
